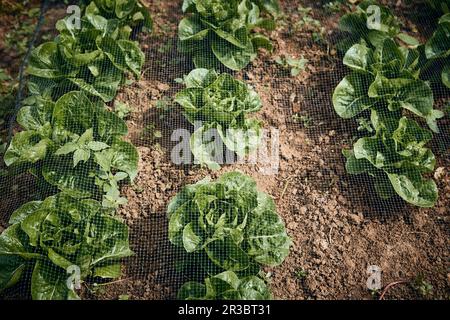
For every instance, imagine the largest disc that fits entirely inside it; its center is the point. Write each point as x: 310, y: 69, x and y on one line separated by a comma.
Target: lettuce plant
x: 437, y: 49
x: 385, y: 82
x: 388, y: 76
x: 225, y: 286
x: 75, y: 148
x: 362, y: 24
x: 396, y: 157
x: 128, y: 13
x: 228, y: 225
x: 94, y: 58
x: 50, y: 236
x: 219, y: 32
x: 220, y: 102
x: 73, y: 144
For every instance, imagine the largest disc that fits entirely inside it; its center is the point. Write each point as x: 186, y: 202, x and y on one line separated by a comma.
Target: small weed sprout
x: 301, y: 274
x: 122, y: 110
x: 296, y: 65
x: 424, y: 288
x: 333, y: 6
x: 305, y: 120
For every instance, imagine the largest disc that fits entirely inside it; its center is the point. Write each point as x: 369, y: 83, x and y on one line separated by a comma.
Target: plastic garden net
x: 239, y: 149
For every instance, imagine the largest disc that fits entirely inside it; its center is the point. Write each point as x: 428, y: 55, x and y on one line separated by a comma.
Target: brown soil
x: 338, y: 224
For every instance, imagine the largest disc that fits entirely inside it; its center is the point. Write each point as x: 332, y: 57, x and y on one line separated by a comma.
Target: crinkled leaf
x: 415, y: 189
x: 191, y: 28
x: 49, y: 283
x: 114, y: 235
x: 44, y: 62
x: 61, y: 173
x: 191, y: 241
x: 74, y: 112
x: 200, y: 78
x: 134, y: 57
x: 226, y: 254
x: 231, y: 56
x: 24, y: 211
x: 359, y: 58
x: 266, y: 235
x: 26, y: 147
x: 350, y: 96
x: 36, y: 116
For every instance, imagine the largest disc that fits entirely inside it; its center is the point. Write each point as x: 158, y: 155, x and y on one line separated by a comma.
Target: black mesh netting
x: 338, y: 224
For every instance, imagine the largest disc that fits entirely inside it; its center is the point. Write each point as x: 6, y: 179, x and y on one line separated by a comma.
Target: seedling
x: 122, y: 109
x: 306, y: 20
x: 150, y: 132
x: 296, y: 65
x: 306, y: 120
x: 82, y: 147
x: 301, y: 274
x: 164, y: 104
x: 333, y: 6
x: 424, y: 288
x: 375, y: 293
x: 137, y: 188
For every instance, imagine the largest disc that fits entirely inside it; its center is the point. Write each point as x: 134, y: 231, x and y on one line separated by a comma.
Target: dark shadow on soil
x: 317, y: 105
x: 164, y: 63
x: 153, y: 261
x: 150, y: 273
x: 16, y: 189
x: 20, y: 291
x: 361, y: 191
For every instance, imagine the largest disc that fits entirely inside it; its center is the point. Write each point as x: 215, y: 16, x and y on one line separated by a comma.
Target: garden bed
x: 337, y: 223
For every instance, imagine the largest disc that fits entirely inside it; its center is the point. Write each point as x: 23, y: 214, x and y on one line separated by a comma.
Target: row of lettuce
x: 223, y: 36
x: 225, y: 230
x: 391, y: 73
x: 72, y: 143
